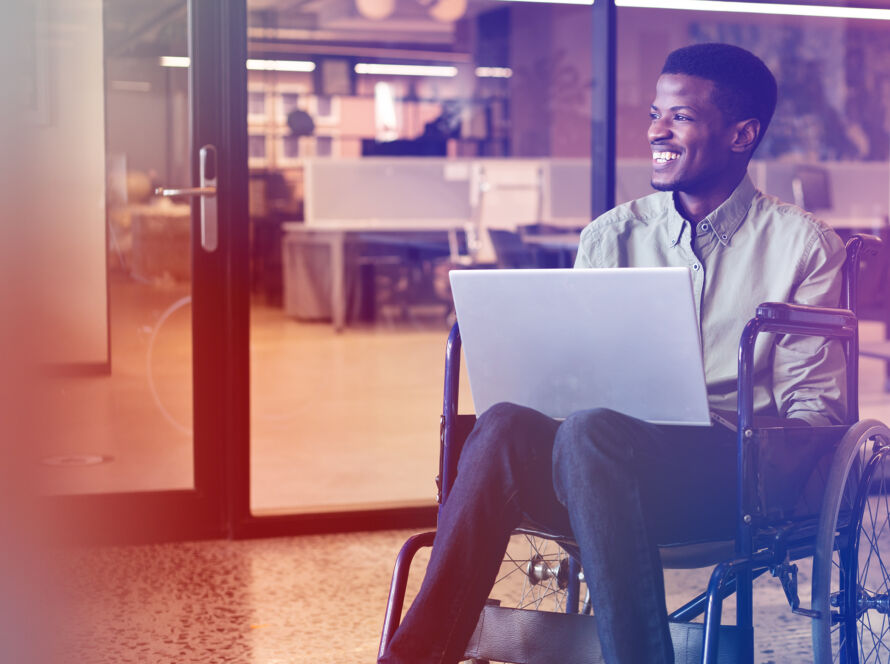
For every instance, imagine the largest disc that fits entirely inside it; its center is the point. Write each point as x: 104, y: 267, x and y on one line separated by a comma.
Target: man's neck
x: 694, y: 206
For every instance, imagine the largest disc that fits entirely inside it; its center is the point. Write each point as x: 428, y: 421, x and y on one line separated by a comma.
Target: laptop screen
x: 560, y: 341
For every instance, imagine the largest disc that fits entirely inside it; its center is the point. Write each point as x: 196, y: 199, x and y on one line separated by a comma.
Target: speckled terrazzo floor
x: 315, y: 599
x: 312, y: 599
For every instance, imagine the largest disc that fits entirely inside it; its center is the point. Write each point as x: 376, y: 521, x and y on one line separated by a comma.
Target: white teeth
x: 664, y: 157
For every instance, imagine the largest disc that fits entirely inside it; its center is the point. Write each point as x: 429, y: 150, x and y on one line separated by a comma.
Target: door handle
x: 187, y: 191
x: 207, y: 192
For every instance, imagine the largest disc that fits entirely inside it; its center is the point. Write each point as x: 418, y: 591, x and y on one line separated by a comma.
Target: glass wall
x: 109, y: 123
x: 388, y: 142
x: 834, y: 98
x: 418, y: 139
x: 826, y: 149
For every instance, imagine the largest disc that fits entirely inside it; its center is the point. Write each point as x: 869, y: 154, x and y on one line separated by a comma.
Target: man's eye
x: 682, y: 118
x: 653, y: 116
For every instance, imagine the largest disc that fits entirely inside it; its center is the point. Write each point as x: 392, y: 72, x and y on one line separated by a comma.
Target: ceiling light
x: 556, y: 2
x: 405, y: 70
x: 494, y: 72
x: 174, y: 61
x: 762, y: 8
x: 281, y: 65
x: 375, y: 9
x: 261, y: 65
x: 779, y: 9
x: 448, y: 10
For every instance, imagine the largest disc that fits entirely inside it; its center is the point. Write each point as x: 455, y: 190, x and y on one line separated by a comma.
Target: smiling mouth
x: 664, y: 157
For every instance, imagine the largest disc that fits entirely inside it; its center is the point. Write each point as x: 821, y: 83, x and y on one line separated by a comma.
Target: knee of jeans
x: 501, y: 427
x: 594, y: 419
x: 587, y: 434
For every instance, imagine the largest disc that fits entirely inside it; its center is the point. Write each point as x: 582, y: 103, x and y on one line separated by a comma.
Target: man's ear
x: 745, y: 135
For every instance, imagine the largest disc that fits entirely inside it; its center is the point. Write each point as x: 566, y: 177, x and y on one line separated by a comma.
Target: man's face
x: 689, y: 136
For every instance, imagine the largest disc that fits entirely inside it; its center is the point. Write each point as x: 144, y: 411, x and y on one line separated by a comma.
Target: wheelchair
x: 804, y: 492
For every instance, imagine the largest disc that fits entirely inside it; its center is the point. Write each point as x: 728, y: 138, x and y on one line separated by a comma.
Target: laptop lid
x: 560, y: 341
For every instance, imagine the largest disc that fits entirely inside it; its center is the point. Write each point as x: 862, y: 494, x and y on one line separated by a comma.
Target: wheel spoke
x: 874, y: 550
x: 531, y: 574
x: 871, y: 633
x: 874, y: 529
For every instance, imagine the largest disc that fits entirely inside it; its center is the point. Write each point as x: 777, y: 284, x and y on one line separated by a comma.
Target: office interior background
x: 377, y: 145
x: 268, y: 360
x: 384, y: 143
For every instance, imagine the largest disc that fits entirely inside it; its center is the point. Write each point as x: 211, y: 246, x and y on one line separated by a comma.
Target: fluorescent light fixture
x: 761, y: 8
x: 261, y: 65
x: 494, y: 72
x: 556, y: 2
x: 281, y: 65
x: 405, y: 70
x: 174, y: 61
x: 780, y: 9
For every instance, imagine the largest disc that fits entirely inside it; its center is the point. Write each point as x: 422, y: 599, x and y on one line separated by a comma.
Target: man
x: 619, y: 485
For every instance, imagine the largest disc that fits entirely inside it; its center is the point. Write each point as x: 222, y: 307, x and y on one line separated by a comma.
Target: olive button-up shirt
x: 752, y: 249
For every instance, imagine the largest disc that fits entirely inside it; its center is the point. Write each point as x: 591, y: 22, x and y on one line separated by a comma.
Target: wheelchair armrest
x: 806, y: 319
x: 785, y: 318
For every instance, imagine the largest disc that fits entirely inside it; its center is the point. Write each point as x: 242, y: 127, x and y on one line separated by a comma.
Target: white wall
x: 62, y: 213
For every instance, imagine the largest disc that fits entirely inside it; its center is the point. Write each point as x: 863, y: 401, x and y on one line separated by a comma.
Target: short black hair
x: 744, y: 87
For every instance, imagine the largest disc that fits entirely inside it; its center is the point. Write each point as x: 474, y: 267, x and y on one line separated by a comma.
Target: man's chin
x: 663, y: 186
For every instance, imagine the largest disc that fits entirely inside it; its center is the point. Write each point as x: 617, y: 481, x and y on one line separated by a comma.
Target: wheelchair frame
x: 769, y: 536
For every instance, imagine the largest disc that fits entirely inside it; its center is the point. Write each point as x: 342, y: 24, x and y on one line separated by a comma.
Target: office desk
x: 564, y: 245
x: 334, y: 236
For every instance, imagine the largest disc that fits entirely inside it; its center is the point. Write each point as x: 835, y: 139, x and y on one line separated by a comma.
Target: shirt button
x: 695, y: 266
x: 724, y: 236
x: 704, y: 227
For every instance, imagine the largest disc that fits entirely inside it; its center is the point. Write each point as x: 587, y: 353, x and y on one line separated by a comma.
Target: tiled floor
x: 290, y: 600
x: 299, y: 600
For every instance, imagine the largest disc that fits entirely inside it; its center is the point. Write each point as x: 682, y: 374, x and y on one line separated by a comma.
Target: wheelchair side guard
x: 789, y: 468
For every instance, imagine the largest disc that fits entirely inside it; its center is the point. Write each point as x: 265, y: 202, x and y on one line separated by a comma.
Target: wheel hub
x: 539, y: 571
x: 873, y: 602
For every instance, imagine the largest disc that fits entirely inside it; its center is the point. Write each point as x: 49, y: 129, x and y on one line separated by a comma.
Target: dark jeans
x: 619, y: 485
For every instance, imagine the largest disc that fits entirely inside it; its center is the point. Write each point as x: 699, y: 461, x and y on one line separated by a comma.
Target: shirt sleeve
x: 809, y: 373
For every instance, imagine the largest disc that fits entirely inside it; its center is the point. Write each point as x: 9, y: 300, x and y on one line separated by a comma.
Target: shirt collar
x: 724, y: 221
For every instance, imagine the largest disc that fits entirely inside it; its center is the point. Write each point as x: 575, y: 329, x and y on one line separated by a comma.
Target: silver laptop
x: 561, y: 341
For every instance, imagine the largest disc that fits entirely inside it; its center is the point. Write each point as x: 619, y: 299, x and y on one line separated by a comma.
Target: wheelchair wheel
x: 851, y: 582
x: 534, y: 575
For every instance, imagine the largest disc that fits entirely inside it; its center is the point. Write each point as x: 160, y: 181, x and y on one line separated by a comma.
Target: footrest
x: 520, y: 636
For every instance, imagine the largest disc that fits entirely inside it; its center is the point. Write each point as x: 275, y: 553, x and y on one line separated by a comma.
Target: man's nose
x: 658, y: 130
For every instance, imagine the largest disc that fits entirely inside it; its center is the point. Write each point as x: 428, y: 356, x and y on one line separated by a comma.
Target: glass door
x: 135, y: 122
x: 386, y: 142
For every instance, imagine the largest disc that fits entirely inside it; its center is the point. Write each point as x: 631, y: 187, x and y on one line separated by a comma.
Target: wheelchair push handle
x: 864, y: 244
